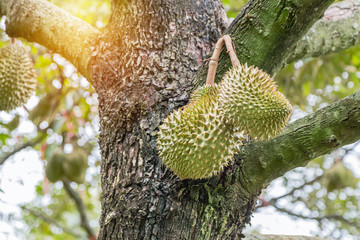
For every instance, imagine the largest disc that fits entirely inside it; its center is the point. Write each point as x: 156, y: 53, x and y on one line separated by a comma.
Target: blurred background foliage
x: 63, y: 116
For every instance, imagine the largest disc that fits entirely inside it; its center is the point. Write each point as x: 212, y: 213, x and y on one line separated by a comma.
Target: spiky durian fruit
x: 197, y: 141
x: 250, y: 99
x: 17, y: 76
x: 204, y: 91
x: 75, y: 166
x: 54, y: 170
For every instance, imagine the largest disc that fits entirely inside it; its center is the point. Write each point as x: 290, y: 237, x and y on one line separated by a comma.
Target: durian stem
x: 231, y: 50
x: 213, y: 63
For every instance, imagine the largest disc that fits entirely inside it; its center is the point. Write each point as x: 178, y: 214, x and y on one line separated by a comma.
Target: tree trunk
x: 142, y: 70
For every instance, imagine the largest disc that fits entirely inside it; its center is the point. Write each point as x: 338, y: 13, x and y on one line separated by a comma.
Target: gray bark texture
x: 145, y: 64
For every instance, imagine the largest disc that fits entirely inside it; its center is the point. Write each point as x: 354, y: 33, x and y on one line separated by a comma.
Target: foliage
x: 233, y: 7
x: 315, y: 82
x: 64, y: 117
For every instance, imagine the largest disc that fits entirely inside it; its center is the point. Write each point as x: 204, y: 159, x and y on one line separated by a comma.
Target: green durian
x: 200, y: 139
x: 17, y: 76
x: 339, y: 177
x: 197, y: 141
x: 250, y: 98
x: 54, y: 167
x: 204, y: 91
x: 75, y: 166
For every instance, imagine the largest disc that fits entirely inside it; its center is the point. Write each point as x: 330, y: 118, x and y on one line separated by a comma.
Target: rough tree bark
x: 142, y: 66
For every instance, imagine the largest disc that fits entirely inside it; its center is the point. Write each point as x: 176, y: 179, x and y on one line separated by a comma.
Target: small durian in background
x: 338, y: 177
x: 75, y: 166
x: 71, y: 166
x: 17, y: 76
x: 54, y: 170
x: 250, y: 98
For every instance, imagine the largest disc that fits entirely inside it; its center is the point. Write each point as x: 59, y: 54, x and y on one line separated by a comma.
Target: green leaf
x: 3, y: 137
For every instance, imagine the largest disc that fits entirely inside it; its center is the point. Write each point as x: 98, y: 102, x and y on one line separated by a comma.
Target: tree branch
x: 338, y: 30
x: 265, y: 33
x: 80, y: 207
x: 303, y: 140
x: 290, y: 193
x: 42, y: 22
x: 329, y: 217
x: 30, y: 143
x: 50, y: 221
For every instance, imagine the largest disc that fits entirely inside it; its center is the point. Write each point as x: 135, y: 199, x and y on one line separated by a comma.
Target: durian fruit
x: 54, y: 170
x: 75, y: 166
x: 17, y: 76
x: 197, y: 141
x: 339, y: 177
x: 204, y: 91
x: 250, y: 99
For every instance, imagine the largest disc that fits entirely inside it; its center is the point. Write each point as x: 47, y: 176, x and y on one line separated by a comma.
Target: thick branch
x: 80, y: 207
x: 42, y: 22
x: 338, y: 30
x: 317, y: 134
x: 265, y: 33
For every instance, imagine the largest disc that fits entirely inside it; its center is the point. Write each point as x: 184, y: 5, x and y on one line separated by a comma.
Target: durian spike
x: 213, y: 63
